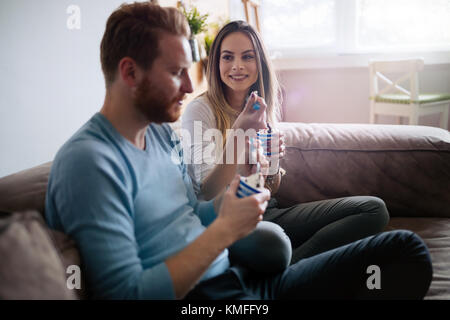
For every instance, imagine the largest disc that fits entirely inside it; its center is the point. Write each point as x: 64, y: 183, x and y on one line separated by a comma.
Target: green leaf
x: 197, y: 21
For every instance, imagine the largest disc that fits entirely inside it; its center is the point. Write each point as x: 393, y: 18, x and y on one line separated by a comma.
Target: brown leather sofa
x: 407, y: 166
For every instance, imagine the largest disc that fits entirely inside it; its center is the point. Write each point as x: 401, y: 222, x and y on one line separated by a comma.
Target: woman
x: 238, y: 66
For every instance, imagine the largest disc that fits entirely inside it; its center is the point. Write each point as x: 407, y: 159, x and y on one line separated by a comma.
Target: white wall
x: 51, y: 76
x: 51, y: 79
x: 340, y: 95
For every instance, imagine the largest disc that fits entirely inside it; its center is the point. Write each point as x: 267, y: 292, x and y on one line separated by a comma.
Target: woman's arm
x: 273, y: 181
x: 197, y: 120
x: 223, y: 171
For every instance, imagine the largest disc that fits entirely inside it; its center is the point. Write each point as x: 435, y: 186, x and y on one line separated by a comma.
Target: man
x: 141, y: 231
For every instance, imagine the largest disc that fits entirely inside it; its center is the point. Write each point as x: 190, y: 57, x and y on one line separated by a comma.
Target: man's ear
x: 128, y: 71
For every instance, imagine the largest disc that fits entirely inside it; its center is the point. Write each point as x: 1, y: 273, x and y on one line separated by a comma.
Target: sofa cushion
x: 31, y: 267
x: 406, y: 166
x: 25, y: 190
x: 70, y: 255
x: 436, y: 234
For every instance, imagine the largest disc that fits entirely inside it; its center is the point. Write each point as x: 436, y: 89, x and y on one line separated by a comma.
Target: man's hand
x: 240, y: 215
x: 236, y: 218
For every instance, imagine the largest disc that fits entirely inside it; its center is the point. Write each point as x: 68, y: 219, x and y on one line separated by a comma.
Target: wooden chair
x: 248, y: 5
x: 395, y: 100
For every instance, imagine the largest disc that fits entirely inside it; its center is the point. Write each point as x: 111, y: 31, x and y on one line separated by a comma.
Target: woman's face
x: 238, y: 69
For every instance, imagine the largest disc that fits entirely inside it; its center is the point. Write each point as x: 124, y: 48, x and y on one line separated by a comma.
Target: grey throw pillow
x: 30, y: 267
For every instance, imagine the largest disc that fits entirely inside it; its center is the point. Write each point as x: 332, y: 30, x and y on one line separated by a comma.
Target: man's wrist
x: 222, y: 232
x: 218, y: 202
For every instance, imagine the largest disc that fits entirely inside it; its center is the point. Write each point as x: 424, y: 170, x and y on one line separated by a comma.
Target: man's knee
x: 267, y: 249
x: 411, y: 240
x: 406, y: 244
x: 411, y: 249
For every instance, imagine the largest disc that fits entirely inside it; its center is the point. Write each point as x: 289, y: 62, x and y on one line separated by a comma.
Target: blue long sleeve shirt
x: 127, y: 209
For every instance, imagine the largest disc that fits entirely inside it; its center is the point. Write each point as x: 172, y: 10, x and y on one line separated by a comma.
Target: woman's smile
x: 238, y: 77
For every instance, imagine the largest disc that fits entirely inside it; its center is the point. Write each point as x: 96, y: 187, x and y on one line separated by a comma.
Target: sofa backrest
x: 406, y: 166
x: 25, y: 190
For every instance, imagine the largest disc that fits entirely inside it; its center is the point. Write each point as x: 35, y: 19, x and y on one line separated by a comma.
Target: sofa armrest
x: 406, y: 166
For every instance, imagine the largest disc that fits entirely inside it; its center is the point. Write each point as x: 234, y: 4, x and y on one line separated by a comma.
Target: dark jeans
x: 405, y: 272
x: 318, y: 226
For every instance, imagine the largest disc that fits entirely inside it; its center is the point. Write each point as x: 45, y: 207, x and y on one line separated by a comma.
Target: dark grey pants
x: 316, y: 227
x: 309, y: 229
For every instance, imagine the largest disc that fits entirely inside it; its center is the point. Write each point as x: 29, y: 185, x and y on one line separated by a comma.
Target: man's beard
x: 153, y: 103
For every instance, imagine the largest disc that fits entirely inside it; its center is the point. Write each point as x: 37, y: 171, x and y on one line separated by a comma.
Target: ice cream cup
x: 270, y: 150
x: 246, y: 189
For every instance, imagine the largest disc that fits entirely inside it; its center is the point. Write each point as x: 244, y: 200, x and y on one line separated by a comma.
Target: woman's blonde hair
x: 267, y: 83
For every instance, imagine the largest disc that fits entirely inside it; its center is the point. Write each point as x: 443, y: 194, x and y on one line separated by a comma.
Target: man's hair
x: 133, y: 30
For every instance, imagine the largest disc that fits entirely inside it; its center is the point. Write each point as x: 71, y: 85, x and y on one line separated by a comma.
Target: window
x: 403, y: 23
x: 299, y: 24
x: 355, y: 26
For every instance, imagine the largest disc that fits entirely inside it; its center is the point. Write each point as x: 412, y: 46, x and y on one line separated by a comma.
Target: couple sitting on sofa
x: 133, y: 211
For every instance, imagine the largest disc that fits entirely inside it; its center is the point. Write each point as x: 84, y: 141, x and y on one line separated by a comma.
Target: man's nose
x: 186, y: 85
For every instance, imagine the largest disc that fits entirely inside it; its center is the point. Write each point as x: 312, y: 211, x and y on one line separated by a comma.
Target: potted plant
x: 197, y: 23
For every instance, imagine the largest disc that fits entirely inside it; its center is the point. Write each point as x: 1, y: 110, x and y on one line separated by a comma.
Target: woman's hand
x: 276, y: 149
x: 275, y: 146
x: 254, y: 153
x: 282, y: 146
x: 250, y: 118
